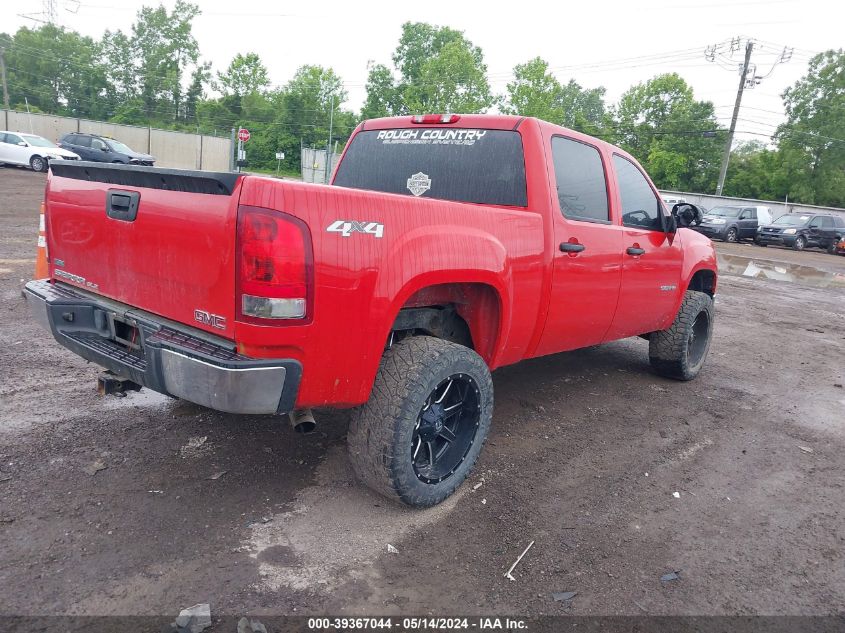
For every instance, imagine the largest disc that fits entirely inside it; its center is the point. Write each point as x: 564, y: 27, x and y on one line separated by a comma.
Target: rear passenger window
x: 82, y: 141
x: 580, y: 179
x: 827, y: 223
x: 640, y: 207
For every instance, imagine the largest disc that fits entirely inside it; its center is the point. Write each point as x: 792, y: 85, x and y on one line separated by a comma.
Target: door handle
x: 571, y: 247
x: 633, y: 250
x: 122, y: 205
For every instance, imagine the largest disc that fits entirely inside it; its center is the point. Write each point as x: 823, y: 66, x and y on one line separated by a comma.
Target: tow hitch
x: 109, y: 383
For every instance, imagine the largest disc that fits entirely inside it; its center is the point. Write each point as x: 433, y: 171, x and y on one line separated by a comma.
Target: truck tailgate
x: 161, y: 240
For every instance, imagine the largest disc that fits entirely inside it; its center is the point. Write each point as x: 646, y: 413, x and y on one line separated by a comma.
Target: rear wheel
x: 680, y: 351
x: 38, y: 163
x: 831, y: 248
x: 800, y: 243
x: 420, y: 433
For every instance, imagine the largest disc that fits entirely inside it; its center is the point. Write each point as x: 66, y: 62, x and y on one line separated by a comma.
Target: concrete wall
x: 171, y: 149
x: 778, y: 208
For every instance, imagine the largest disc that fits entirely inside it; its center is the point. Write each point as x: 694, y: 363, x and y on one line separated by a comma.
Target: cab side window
x: 641, y: 208
x: 13, y: 139
x: 580, y: 179
x: 816, y: 223
x: 97, y: 144
x: 748, y: 213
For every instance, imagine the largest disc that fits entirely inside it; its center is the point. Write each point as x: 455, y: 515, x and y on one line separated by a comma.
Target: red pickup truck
x: 446, y: 246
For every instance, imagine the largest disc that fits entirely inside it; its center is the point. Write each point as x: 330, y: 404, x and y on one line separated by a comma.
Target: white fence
x: 171, y: 149
x: 778, y: 208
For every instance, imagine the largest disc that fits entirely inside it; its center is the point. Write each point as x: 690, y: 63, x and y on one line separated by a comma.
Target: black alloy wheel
x: 446, y: 429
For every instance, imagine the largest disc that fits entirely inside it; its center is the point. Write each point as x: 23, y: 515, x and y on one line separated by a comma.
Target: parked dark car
x: 732, y: 224
x: 103, y: 149
x: 800, y: 230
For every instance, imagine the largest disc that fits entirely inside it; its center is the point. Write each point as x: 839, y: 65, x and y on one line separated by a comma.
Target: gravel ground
x: 145, y: 505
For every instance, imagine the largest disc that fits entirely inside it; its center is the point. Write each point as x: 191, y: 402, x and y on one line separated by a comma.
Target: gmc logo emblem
x: 213, y: 320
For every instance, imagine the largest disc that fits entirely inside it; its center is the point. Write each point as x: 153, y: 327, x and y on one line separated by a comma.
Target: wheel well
x: 703, y: 281
x: 464, y: 313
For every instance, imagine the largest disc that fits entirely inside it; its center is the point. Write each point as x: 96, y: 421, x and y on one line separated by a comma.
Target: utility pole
x: 329, y: 144
x: 726, y: 156
x: 3, y: 78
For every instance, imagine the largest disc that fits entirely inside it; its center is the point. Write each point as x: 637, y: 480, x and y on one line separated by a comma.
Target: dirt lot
x: 586, y: 453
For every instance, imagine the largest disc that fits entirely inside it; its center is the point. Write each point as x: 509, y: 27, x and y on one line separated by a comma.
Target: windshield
x: 465, y: 165
x: 792, y: 220
x: 119, y: 147
x: 37, y: 141
x: 725, y: 212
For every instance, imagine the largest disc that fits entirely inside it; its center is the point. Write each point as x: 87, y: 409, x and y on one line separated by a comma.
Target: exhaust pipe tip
x: 302, y: 421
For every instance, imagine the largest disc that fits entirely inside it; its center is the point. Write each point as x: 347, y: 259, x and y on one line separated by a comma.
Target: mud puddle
x: 740, y: 266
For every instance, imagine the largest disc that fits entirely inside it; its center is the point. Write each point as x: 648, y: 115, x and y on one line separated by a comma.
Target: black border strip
x: 189, y: 181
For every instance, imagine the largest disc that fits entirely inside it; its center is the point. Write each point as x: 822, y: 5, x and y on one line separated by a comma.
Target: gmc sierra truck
x: 445, y: 247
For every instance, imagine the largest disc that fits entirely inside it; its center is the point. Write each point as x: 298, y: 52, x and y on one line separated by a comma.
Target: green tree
x: 439, y: 71
x: 583, y: 108
x: 756, y: 172
x: 662, y: 125
x: 163, y: 47
x: 245, y: 75
x: 454, y: 80
x: 383, y: 96
x: 812, y: 141
x: 118, y: 59
x: 536, y: 92
x: 56, y: 71
x: 199, y: 78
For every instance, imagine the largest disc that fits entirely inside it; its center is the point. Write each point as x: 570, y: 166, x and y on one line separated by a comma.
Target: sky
x: 612, y: 43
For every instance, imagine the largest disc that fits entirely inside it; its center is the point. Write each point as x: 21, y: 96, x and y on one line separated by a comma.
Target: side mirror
x: 21, y: 143
x: 686, y: 214
x: 670, y: 224
x: 104, y: 149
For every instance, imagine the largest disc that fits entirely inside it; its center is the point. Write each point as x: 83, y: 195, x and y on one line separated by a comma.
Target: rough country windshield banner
x: 432, y: 137
x: 465, y: 165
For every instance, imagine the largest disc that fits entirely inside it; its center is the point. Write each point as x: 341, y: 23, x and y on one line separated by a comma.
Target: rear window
x: 464, y: 165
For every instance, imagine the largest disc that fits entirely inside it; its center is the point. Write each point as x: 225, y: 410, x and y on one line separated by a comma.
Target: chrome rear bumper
x: 167, y: 357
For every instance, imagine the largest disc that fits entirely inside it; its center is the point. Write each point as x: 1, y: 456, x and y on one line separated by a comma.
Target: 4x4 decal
x: 347, y: 227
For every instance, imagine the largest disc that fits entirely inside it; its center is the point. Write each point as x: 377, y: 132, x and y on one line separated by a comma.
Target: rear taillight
x: 275, y: 267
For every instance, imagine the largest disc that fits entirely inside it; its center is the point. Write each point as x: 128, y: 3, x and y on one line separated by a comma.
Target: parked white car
x: 17, y: 148
x: 671, y: 202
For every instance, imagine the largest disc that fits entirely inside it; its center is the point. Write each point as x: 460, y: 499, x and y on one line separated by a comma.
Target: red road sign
x: 243, y: 135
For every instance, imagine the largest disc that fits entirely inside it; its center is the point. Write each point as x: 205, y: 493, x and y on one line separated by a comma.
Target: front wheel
x: 38, y: 164
x: 420, y: 433
x: 680, y: 351
x: 732, y: 235
x: 800, y: 243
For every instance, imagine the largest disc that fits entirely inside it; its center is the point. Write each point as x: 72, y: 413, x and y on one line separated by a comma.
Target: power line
x: 748, y: 80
